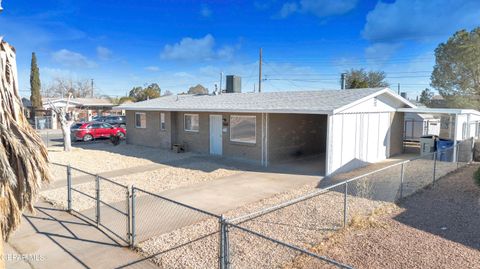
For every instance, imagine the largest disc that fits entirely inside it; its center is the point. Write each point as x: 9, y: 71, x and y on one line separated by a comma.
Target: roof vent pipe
x: 343, y: 78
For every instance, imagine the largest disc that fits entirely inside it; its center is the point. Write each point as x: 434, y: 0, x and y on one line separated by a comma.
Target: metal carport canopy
x: 439, y: 110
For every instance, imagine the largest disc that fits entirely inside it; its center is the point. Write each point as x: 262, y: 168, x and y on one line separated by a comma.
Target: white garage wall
x: 357, y: 139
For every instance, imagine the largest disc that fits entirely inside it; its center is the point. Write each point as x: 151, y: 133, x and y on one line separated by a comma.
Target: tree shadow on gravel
x: 450, y: 209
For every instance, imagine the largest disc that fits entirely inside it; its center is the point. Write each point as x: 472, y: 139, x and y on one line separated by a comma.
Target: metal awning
x: 439, y: 110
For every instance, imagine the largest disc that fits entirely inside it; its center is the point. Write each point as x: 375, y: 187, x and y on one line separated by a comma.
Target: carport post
x: 345, y: 208
x: 97, y: 196
x: 434, y: 167
x: 69, y: 188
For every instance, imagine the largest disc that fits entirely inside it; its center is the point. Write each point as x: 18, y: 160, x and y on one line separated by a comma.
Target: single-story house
x: 344, y: 129
x: 82, y: 108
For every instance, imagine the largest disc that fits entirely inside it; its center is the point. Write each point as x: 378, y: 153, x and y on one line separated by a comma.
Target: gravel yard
x: 305, y: 224
x: 435, y: 228
x: 154, y: 181
x: 103, y: 157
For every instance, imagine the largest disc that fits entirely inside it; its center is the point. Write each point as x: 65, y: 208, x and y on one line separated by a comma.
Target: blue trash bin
x: 444, y: 150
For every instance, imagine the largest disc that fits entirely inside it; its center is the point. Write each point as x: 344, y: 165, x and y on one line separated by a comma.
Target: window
x: 191, y: 122
x: 162, y: 121
x: 140, y: 120
x: 95, y: 126
x: 243, y: 129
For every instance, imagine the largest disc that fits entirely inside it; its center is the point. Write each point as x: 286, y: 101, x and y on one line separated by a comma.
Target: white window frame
x: 163, y: 125
x: 184, y: 123
x: 136, y: 123
x: 240, y: 141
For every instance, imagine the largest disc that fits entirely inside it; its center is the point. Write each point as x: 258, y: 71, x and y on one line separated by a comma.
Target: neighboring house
x: 438, y: 101
x: 342, y: 129
x: 82, y: 108
x: 418, y: 125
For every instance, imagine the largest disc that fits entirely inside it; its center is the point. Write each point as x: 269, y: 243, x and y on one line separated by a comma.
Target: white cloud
x: 205, y: 11
x: 189, y: 49
x: 288, y: 9
x: 72, y: 59
x: 379, y: 53
x: 319, y: 8
x: 104, y: 53
x: 419, y: 19
x: 152, y: 68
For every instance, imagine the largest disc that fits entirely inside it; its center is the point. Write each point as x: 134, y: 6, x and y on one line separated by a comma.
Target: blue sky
x: 306, y: 43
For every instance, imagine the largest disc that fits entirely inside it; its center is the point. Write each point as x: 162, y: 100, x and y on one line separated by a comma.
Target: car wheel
x: 87, y: 137
x: 120, y: 134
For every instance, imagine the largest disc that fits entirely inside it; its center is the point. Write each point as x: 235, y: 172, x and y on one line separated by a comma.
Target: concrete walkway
x: 56, y: 239
x: 156, y: 216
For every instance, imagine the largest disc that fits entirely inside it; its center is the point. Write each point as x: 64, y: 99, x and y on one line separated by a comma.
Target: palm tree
x: 23, y: 157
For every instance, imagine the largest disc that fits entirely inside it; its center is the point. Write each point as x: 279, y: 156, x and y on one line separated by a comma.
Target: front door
x: 216, y: 134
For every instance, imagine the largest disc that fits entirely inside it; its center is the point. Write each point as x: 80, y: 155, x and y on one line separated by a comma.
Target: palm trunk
x: 23, y: 156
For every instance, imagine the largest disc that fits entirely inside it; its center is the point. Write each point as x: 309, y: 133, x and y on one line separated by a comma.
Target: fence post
x: 132, y: 217
x: 226, y: 246
x: 129, y: 217
x: 221, y: 249
x: 97, y: 196
x: 345, y: 207
x: 69, y: 188
x: 472, y: 148
x: 402, y: 174
x: 457, y: 147
x: 434, y: 167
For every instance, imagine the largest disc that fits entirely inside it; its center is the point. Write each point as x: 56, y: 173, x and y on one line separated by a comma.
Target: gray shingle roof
x: 316, y: 102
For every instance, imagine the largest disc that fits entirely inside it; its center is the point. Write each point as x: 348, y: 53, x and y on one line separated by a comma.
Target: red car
x: 88, y: 131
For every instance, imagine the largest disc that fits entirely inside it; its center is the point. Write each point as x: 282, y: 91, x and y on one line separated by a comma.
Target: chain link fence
x: 177, y: 235
x: 95, y: 203
x: 307, y: 220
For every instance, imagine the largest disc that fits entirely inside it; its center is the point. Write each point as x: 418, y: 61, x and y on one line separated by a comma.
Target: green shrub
x: 476, y: 177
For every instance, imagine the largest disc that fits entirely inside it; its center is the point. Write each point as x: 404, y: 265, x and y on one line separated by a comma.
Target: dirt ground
x: 435, y: 228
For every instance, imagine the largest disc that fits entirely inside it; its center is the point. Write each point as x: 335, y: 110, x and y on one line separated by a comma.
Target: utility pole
x: 398, y: 88
x: 92, y: 87
x: 221, y: 80
x: 260, y: 72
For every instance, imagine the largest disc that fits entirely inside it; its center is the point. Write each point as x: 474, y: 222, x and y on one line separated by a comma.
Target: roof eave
x: 273, y: 111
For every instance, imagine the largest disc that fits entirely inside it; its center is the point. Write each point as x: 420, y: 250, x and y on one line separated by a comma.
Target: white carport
x: 461, y: 124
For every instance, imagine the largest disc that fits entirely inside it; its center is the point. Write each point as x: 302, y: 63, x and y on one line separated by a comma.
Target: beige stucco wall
x: 151, y: 135
x: 396, y: 133
x: 296, y: 135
